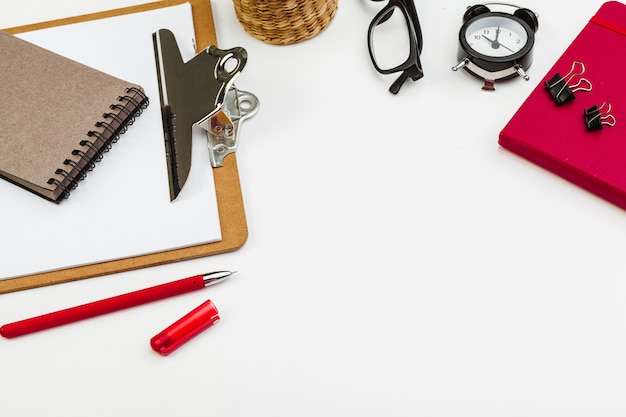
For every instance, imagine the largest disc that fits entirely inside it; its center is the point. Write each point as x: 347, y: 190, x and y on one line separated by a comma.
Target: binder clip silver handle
x: 223, y: 127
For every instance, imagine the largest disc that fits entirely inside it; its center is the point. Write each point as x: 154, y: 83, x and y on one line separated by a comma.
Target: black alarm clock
x: 495, y: 45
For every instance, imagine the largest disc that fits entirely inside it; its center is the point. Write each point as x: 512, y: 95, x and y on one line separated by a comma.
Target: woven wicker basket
x: 283, y: 22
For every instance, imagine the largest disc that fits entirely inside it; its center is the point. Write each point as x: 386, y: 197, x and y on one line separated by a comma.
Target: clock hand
x: 506, y: 47
x: 490, y: 40
x: 501, y: 44
x: 495, y: 44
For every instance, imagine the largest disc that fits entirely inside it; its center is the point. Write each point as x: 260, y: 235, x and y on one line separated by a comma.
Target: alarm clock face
x: 496, y: 36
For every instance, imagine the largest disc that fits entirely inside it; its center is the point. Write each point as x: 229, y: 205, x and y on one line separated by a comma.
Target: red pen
x: 112, y: 304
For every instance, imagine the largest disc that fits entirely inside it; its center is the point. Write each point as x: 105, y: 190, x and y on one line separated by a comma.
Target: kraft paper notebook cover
x: 555, y: 137
x: 58, y: 117
x: 232, y: 221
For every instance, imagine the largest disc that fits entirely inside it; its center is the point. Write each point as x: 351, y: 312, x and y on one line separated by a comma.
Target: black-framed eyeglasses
x: 395, y: 42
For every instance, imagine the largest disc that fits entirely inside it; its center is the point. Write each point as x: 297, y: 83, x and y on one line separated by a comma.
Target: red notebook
x: 555, y: 137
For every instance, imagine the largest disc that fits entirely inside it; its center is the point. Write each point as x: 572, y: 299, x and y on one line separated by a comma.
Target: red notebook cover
x: 555, y: 137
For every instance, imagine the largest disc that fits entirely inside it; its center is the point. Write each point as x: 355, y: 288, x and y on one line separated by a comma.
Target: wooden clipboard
x: 227, y: 185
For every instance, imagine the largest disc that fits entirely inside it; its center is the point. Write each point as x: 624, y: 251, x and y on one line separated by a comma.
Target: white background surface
x: 399, y: 262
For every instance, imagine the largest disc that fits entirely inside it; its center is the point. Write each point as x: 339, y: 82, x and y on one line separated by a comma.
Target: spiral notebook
x: 58, y: 117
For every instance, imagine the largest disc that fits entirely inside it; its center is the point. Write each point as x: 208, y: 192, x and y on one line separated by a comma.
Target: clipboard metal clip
x: 199, y: 92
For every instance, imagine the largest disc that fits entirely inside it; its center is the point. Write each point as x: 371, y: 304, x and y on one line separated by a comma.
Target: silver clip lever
x: 223, y: 127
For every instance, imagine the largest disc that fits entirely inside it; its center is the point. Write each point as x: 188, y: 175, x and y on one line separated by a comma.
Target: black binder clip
x: 562, y: 88
x: 199, y: 92
x: 598, y: 116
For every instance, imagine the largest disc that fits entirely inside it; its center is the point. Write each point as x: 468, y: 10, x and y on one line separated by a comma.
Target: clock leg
x: 522, y: 73
x: 490, y: 85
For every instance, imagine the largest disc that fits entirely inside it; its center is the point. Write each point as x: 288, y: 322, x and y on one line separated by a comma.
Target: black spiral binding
x: 127, y: 108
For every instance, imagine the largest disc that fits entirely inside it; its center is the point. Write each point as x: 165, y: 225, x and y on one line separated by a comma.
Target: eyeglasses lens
x: 390, y: 39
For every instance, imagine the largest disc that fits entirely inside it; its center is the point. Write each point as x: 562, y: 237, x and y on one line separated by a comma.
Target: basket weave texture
x: 283, y: 22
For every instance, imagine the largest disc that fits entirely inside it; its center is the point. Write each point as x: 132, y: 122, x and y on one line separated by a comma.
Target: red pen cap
x: 183, y: 330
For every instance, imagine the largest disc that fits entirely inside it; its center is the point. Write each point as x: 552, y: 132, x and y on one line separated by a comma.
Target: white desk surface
x: 399, y: 262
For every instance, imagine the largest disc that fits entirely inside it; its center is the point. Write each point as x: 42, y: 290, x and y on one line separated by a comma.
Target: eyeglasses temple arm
x: 395, y: 87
